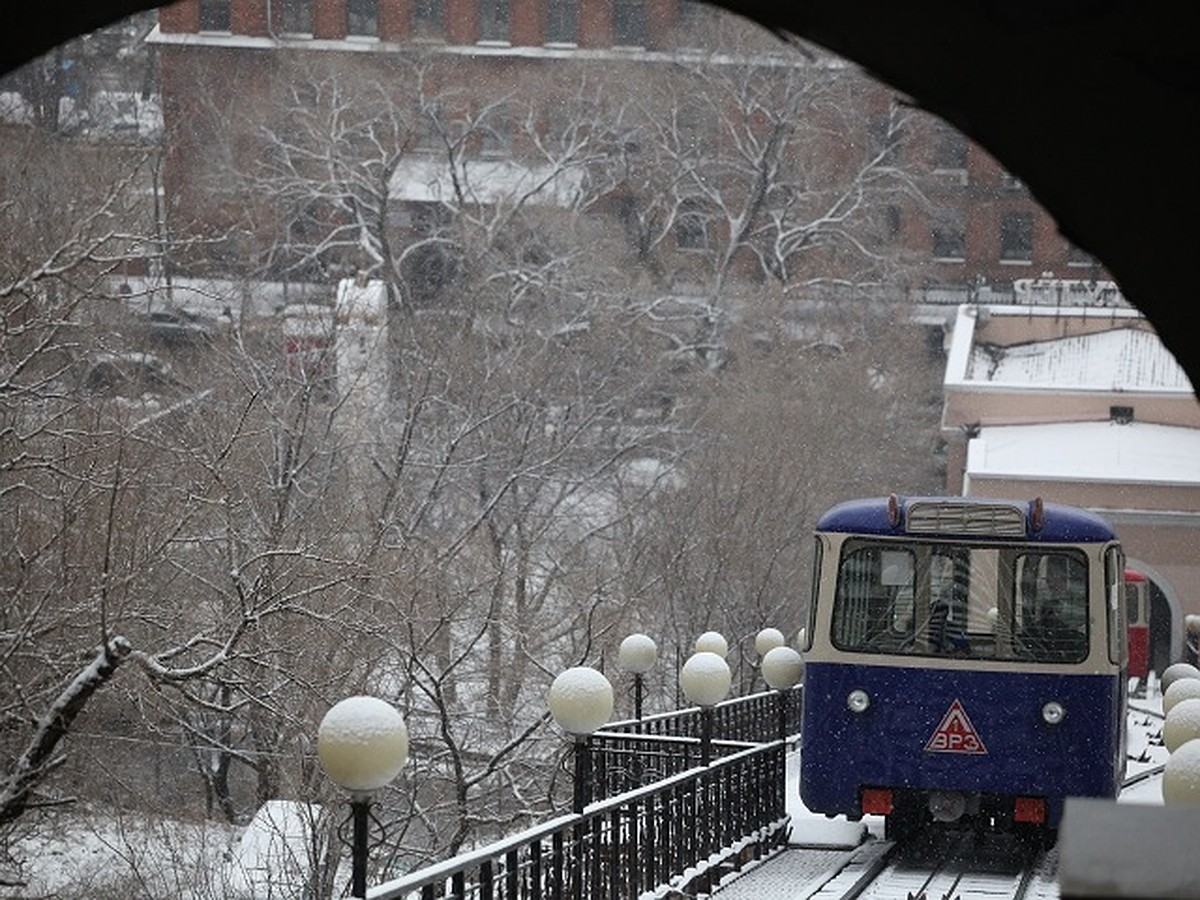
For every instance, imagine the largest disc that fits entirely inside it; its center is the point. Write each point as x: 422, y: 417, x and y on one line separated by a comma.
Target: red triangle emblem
x: 955, y: 734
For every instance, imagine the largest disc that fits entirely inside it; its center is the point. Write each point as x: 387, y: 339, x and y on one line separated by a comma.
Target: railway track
x: 941, y: 865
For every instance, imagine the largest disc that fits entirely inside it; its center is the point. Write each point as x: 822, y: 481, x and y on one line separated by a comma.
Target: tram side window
x: 873, y: 608
x: 1052, y: 608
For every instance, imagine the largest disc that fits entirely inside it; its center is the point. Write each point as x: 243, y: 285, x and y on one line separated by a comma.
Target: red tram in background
x: 1137, y: 610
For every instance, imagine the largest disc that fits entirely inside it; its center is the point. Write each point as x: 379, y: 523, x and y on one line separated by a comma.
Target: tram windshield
x: 986, y: 601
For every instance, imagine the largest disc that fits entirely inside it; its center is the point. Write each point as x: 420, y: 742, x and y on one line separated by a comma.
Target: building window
x: 694, y: 14
x: 950, y: 150
x: 949, y: 235
x: 695, y: 25
x: 1016, y: 237
x: 689, y: 129
x: 427, y: 133
x: 293, y: 16
x: 362, y: 17
x: 493, y: 20
x: 496, y: 137
x: 214, y: 15
x: 429, y: 19
x: 562, y: 22
x: 691, y: 229
x: 629, y: 23
x: 893, y: 223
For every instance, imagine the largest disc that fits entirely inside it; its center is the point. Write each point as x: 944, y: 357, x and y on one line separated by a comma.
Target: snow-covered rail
x: 938, y: 866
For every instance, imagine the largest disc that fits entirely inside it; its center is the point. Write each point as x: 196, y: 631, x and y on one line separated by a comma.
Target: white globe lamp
x: 1180, y: 689
x: 1176, y: 672
x: 712, y: 642
x: 580, y: 700
x: 637, y: 655
x: 767, y: 640
x: 1182, y: 724
x: 362, y: 743
x: 1181, y: 776
x: 706, y: 679
x: 782, y: 667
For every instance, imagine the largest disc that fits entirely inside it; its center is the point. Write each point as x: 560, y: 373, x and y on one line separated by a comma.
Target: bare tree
x: 791, y: 427
x: 527, y: 455
x: 58, y: 481
x: 742, y: 167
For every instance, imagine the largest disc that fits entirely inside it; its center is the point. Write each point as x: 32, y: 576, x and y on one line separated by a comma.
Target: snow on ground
x: 100, y: 852
x: 811, y: 829
x: 1146, y: 750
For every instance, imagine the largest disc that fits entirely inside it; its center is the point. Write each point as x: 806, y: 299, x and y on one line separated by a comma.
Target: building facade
x: 959, y: 223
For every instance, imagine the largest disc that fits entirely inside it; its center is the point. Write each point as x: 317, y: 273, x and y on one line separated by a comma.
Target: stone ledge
x: 1108, y: 849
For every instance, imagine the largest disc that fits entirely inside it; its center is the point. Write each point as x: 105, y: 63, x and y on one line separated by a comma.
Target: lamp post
x: 637, y: 655
x: 362, y: 743
x: 580, y: 700
x: 782, y: 667
x: 705, y: 679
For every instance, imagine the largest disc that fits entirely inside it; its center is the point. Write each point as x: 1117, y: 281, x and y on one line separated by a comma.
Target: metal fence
x: 686, y: 831
x: 633, y: 753
x: 662, y: 817
x: 752, y: 718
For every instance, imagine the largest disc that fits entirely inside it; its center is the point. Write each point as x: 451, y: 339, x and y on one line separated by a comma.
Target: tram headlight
x: 857, y: 701
x: 1053, y: 712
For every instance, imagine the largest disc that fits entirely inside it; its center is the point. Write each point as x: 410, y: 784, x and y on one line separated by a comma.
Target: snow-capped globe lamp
x: 1181, y: 724
x: 782, y: 667
x: 767, y: 640
x: 580, y: 700
x: 1180, y: 689
x: 705, y: 679
x: 1176, y: 672
x: 362, y: 743
x: 712, y: 642
x: 637, y: 655
x: 1181, y: 776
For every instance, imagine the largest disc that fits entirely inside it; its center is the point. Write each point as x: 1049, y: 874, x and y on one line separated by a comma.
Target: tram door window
x: 1051, y: 609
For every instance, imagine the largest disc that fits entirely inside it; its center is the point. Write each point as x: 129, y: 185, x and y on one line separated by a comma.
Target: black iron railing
x: 630, y: 754
x: 754, y: 718
x: 685, y: 831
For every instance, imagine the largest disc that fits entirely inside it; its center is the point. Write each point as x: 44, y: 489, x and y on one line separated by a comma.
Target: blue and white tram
x: 965, y: 662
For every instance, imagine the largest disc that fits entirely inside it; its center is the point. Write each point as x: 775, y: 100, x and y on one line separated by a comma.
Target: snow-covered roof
x: 1128, y: 359
x: 1126, y: 356
x: 1087, y: 451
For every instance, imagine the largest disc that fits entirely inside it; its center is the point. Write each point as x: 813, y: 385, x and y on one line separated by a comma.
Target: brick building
x: 973, y: 227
